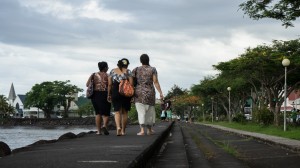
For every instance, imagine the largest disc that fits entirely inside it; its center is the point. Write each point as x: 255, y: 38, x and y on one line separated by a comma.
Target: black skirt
x: 118, y: 100
x: 100, y: 103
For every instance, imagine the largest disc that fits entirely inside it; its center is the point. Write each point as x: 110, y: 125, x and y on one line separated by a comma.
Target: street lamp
x: 229, y: 89
x: 203, y: 111
x: 212, y: 109
x: 285, y: 63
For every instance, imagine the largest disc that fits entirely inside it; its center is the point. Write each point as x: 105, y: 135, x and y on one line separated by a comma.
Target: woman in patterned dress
x: 120, y: 103
x: 144, y: 97
x: 99, y: 98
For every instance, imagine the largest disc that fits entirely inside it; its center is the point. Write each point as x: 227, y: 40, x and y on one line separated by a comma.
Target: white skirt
x: 146, y: 114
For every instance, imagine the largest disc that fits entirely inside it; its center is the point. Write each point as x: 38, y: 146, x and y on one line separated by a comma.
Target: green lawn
x: 291, y: 132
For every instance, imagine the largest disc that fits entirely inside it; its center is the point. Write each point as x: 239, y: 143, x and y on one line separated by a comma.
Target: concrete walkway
x: 92, y: 151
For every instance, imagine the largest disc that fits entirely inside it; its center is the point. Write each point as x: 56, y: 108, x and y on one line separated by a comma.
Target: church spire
x: 12, y: 94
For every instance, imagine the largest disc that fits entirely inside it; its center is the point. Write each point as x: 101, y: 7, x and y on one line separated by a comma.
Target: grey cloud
x: 181, y: 37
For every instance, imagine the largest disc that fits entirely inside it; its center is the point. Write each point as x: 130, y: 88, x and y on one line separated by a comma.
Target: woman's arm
x: 157, y: 86
x: 88, y: 81
x: 131, y: 80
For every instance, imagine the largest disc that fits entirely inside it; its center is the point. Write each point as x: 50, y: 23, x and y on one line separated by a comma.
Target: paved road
x: 219, y: 147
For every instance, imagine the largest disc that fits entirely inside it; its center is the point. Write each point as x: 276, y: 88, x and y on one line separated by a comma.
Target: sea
x: 21, y: 136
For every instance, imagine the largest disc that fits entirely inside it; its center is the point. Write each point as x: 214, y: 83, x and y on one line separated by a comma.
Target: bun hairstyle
x: 123, y: 63
x: 102, y: 65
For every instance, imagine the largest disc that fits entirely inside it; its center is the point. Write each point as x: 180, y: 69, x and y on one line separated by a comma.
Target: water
x: 20, y: 136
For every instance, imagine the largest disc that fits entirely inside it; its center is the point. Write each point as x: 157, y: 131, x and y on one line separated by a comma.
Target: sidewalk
x: 92, y: 150
x: 290, y: 144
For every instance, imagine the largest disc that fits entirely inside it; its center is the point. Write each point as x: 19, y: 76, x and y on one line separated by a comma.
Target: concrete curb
x: 144, y: 159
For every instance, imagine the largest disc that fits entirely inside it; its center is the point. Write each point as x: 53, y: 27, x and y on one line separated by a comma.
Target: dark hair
x: 144, y: 59
x: 102, y: 65
x: 123, y: 63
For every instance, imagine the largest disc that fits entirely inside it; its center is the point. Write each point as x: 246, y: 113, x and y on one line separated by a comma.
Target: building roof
x: 12, y: 93
x: 294, y: 95
x: 22, y: 98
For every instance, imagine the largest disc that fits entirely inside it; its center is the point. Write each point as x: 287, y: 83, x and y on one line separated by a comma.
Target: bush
x: 223, y: 118
x: 264, y: 116
x: 239, y: 118
x: 132, y: 114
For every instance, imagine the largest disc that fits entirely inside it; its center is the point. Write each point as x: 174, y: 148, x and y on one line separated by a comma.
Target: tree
x: 5, y: 108
x: 261, y: 67
x: 86, y: 109
x: 47, y: 95
x: 174, y: 92
x: 187, y: 103
x: 260, y: 70
x: 85, y: 106
x: 216, y: 88
x: 66, y: 94
x: 284, y: 10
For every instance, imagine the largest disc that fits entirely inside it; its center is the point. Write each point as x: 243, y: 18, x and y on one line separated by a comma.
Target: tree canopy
x: 175, y: 91
x: 257, y: 74
x: 48, y: 95
x: 284, y: 10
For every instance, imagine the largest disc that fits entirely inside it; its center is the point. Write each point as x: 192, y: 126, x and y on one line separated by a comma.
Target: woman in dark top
x: 99, y: 99
x: 120, y: 103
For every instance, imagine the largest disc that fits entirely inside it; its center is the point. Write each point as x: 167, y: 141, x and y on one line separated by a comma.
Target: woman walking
x: 144, y: 98
x: 121, y: 104
x: 99, y: 98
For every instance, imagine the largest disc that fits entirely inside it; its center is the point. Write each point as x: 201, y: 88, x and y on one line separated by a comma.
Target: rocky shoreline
x: 5, y: 149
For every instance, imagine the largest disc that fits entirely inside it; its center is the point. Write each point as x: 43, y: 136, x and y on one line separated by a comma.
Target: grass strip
x: 292, y: 132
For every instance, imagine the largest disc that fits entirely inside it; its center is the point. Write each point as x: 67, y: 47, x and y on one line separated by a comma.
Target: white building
x: 18, y: 100
x: 292, y: 102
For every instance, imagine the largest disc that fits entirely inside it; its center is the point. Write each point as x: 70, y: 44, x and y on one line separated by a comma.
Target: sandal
x: 152, y: 132
x: 105, y: 131
x: 140, y: 133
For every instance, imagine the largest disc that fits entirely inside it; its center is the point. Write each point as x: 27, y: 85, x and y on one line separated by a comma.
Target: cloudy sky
x: 47, y: 40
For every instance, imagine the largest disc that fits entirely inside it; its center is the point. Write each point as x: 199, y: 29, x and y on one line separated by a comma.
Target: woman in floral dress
x: 144, y: 97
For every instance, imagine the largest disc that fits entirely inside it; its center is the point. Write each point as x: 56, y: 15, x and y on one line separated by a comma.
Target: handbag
x: 125, y: 88
x: 90, y: 88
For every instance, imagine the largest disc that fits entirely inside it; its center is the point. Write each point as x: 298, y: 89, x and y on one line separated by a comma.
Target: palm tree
x: 5, y: 108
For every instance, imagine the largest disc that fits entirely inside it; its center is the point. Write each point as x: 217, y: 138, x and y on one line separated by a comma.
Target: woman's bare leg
x: 142, y: 131
x: 124, y: 121
x: 118, y: 122
x: 98, y: 123
x: 105, y: 120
